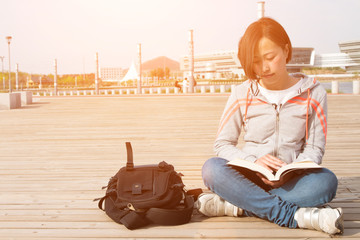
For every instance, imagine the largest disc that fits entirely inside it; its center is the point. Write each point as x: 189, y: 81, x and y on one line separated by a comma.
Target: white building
x: 111, y: 74
x: 301, y: 58
x: 225, y: 65
x: 332, y: 60
x: 348, y: 58
x: 216, y: 65
x: 352, y: 48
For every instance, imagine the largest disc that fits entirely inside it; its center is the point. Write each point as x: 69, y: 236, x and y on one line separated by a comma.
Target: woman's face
x: 270, y: 64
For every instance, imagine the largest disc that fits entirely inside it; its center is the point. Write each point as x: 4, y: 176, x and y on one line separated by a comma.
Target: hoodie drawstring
x: 307, y: 114
x: 246, y: 104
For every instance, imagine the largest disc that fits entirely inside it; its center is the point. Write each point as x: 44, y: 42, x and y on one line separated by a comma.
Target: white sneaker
x: 212, y: 205
x: 328, y: 220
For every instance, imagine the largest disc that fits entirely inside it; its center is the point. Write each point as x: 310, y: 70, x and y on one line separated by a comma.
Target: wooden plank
x: 55, y: 157
x: 110, y: 225
x: 154, y: 233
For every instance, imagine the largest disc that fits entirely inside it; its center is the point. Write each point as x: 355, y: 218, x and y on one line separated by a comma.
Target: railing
x: 200, y: 89
x: 132, y: 90
x: 355, y: 87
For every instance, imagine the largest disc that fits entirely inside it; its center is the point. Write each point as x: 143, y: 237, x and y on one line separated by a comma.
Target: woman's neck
x: 283, y: 83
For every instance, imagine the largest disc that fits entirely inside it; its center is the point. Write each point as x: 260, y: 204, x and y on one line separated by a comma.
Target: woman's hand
x: 276, y: 184
x: 273, y: 164
x: 270, y: 162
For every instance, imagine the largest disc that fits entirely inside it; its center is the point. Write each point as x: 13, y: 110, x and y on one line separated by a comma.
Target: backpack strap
x: 174, y: 216
x: 133, y: 220
x: 130, y: 219
x: 195, y: 192
x: 101, y: 200
x: 130, y: 162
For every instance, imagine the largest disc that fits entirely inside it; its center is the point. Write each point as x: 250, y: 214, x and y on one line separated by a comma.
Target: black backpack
x: 140, y: 195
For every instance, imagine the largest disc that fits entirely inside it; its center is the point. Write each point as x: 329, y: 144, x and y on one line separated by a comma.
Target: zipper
x: 277, y: 123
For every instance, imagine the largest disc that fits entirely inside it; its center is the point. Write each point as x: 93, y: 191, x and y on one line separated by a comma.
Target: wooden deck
x: 56, y: 154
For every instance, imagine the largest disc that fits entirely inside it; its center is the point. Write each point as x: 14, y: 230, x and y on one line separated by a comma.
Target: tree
x: 153, y: 74
x: 167, y: 73
x: 160, y: 73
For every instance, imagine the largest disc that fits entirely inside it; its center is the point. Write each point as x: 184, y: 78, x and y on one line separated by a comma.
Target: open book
x: 305, y: 164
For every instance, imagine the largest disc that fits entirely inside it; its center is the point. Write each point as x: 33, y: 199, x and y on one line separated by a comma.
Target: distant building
x: 225, y: 65
x: 352, y: 48
x: 213, y: 65
x: 332, y: 60
x: 348, y: 58
x: 111, y: 74
x: 301, y: 58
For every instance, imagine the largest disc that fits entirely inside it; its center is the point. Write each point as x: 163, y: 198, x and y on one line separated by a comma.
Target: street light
x: 139, y: 69
x: 190, y: 87
x: 8, y: 38
x: 97, y: 73
x: 2, y: 64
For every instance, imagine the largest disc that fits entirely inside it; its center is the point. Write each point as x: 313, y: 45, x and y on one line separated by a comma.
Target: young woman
x: 284, y: 119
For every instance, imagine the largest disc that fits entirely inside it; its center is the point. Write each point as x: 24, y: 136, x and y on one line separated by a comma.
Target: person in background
x: 284, y: 117
x: 177, y: 85
x: 185, y: 84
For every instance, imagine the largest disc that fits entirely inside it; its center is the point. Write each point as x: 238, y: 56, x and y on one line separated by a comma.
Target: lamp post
x: 139, y: 68
x: 97, y: 73
x: 2, y: 64
x: 17, y: 77
x: 191, y: 61
x: 55, y: 78
x: 261, y: 9
x: 8, y: 38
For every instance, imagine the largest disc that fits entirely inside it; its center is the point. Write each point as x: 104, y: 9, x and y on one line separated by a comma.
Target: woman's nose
x: 265, y: 67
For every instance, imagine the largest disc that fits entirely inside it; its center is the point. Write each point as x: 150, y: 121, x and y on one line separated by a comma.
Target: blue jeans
x: 309, y: 188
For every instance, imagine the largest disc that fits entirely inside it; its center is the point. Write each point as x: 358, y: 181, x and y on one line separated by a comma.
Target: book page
x: 306, y: 164
x: 253, y: 166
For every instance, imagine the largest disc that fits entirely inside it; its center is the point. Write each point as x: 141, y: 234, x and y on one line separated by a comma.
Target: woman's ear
x: 286, y: 51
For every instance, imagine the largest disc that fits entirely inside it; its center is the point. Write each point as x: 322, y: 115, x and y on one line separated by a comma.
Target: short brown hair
x: 264, y: 27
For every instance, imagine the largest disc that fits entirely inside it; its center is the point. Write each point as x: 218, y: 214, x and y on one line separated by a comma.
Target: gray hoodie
x: 292, y: 131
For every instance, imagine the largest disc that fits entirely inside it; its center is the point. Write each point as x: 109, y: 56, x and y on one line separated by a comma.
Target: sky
x: 72, y: 31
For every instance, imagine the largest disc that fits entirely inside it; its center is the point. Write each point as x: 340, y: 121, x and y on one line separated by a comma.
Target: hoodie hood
x: 308, y: 83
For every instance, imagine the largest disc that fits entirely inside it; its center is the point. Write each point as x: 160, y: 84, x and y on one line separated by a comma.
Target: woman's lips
x: 267, y: 75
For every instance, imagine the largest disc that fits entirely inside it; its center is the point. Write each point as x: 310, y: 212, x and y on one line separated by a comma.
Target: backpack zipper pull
x: 131, y: 207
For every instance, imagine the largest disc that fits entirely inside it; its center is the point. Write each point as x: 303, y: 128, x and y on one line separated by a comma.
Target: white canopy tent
x: 131, y: 74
